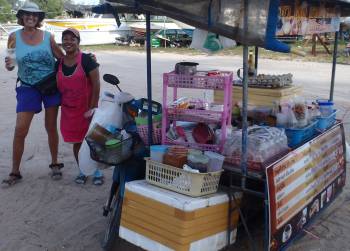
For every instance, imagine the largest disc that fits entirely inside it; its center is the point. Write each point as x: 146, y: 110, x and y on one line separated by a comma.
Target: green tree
x: 14, y: 3
x: 5, y: 12
x: 53, y: 8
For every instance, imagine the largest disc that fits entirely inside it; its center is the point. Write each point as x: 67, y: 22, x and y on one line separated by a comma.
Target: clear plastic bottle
x: 251, y: 67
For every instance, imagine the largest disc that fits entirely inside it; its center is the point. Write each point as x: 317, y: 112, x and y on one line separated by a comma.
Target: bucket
x: 215, y: 161
x: 326, y: 107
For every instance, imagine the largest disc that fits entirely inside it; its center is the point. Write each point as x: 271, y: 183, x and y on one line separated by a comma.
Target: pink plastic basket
x: 194, y: 115
x: 203, y: 147
x: 156, y: 133
x: 200, y: 81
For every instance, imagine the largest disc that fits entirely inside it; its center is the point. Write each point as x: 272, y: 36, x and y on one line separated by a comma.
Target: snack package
x: 300, y: 112
x: 263, y: 143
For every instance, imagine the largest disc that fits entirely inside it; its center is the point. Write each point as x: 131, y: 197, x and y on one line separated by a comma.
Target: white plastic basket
x: 181, y: 181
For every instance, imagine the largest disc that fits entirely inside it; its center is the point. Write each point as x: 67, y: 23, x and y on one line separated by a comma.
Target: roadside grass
x: 321, y: 54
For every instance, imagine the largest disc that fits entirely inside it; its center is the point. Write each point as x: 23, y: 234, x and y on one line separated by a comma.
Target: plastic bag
x: 347, y: 152
x: 263, y: 143
x: 87, y: 165
x: 108, y: 114
x: 210, y: 42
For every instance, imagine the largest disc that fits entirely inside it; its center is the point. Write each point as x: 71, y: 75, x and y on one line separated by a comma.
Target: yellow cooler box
x: 158, y: 219
x: 261, y: 96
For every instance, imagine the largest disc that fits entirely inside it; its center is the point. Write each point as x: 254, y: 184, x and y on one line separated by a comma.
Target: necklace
x: 30, y: 36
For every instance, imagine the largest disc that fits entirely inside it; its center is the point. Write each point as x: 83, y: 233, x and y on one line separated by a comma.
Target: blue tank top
x: 34, y: 61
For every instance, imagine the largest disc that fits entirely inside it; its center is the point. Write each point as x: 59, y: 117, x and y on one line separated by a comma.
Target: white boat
x: 102, y: 30
x: 93, y: 31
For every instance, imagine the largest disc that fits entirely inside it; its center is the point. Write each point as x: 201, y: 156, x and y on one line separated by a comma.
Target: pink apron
x: 76, y: 94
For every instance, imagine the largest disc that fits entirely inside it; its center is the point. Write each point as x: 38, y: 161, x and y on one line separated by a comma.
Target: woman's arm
x: 11, y: 43
x: 94, y: 76
x: 56, y: 50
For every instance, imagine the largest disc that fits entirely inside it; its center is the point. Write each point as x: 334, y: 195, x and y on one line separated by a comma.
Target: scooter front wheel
x: 112, y: 229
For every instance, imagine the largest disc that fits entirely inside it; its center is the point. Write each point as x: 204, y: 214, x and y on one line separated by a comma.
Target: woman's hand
x: 9, y: 64
x: 89, y: 113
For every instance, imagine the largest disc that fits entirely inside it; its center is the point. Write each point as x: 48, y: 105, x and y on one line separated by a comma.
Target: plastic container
x: 181, y: 181
x: 143, y: 120
x: 175, y: 160
x: 157, y: 152
x: 215, y: 161
x: 297, y: 136
x: 326, y: 107
x: 323, y: 123
x: 198, y: 161
x: 11, y: 53
x: 99, y: 134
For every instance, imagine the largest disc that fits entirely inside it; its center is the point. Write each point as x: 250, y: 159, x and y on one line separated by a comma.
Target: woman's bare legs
x: 76, y: 148
x: 51, y: 129
x: 23, y: 122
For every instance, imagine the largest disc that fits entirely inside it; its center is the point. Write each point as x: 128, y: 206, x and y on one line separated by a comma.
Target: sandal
x: 12, y: 179
x: 56, y: 173
x: 81, y: 179
x: 98, y: 180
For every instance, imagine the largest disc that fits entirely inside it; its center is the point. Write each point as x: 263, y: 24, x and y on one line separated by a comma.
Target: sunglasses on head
x: 34, y: 14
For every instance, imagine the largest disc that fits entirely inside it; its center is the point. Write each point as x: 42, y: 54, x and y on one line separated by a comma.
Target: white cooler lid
x: 176, y: 200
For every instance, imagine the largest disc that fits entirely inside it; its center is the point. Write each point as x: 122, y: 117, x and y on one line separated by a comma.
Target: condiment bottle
x: 251, y: 67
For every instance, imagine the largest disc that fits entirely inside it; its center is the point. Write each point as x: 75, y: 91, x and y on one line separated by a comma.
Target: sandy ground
x: 41, y: 214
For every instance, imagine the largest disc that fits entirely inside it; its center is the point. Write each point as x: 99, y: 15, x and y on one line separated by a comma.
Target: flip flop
x: 56, y: 173
x: 98, y: 180
x: 12, y: 179
x: 81, y: 179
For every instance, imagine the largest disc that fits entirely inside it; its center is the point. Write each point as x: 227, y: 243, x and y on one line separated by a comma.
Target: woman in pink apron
x: 78, y: 81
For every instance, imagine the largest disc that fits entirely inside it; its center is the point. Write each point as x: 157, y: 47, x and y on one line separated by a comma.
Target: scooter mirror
x: 109, y: 78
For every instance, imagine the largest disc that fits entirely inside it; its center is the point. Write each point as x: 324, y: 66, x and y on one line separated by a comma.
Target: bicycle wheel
x: 112, y: 229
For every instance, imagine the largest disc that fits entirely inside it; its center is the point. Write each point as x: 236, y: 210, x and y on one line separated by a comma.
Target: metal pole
x: 149, y: 76
x: 244, y: 157
x: 335, y: 52
x: 256, y: 59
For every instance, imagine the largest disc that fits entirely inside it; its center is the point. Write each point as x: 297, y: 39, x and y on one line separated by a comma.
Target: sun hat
x: 31, y: 7
x: 72, y: 30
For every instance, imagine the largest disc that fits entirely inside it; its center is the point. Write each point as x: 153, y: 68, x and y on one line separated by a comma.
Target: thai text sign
x: 301, y: 18
x: 303, y: 183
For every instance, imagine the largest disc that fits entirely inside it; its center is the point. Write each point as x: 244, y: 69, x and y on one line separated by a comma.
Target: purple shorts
x: 29, y: 99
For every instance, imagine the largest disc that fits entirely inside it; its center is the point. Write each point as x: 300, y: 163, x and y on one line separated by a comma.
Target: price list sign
x: 303, y: 183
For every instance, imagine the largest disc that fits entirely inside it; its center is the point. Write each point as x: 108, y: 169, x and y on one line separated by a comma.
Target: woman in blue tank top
x: 35, y: 55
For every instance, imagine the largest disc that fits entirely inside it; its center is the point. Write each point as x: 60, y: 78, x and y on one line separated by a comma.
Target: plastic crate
x: 203, y: 147
x: 199, y: 80
x: 323, y: 123
x: 194, y: 115
x: 156, y: 133
x: 297, y: 136
x: 181, y: 181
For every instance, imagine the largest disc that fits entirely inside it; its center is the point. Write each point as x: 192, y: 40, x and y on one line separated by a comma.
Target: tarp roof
x: 160, y: 6
x: 223, y: 17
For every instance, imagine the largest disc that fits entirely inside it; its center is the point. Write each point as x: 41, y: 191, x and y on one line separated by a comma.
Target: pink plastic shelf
x: 194, y: 115
x: 198, y: 81
x: 203, y: 147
